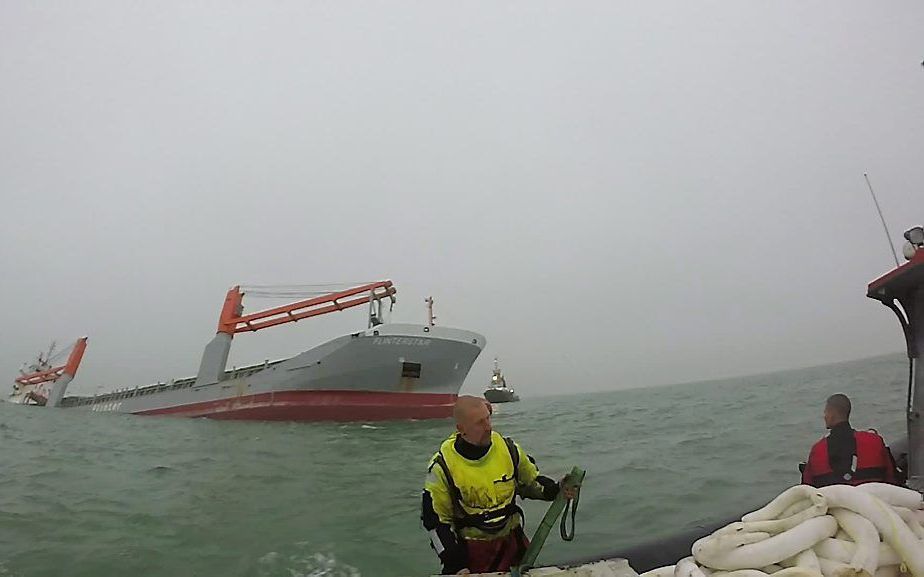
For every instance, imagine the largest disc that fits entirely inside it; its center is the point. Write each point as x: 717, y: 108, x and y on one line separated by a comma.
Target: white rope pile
x: 872, y: 530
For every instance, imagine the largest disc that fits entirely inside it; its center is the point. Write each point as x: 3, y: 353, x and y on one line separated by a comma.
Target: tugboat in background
x: 499, y: 392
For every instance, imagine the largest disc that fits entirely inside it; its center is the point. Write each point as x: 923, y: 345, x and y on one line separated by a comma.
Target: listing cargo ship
x: 389, y: 371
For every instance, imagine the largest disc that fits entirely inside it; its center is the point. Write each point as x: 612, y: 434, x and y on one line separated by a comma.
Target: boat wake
x: 303, y: 563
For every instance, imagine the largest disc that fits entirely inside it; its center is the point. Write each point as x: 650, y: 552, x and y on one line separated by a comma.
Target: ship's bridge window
x: 410, y: 370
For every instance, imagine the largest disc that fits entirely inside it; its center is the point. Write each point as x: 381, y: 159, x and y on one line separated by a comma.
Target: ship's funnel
x: 58, y: 389
x: 214, y: 360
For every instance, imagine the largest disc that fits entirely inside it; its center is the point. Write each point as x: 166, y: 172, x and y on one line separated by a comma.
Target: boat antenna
x: 882, y: 218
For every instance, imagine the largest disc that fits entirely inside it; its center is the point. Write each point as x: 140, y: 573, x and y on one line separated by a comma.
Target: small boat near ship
x: 498, y: 391
x: 387, y: 371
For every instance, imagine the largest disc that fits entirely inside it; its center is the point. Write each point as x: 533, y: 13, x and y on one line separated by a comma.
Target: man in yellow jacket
x: 469, y: 499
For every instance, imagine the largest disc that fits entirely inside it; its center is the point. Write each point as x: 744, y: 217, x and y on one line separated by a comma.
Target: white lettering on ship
x: 404, y: 341
x: 104, y: 407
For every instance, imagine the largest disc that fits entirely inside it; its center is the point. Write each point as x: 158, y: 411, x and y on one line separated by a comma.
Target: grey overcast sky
x: 616, y: 194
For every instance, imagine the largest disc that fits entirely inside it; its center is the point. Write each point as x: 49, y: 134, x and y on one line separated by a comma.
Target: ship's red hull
x: 319, y: 406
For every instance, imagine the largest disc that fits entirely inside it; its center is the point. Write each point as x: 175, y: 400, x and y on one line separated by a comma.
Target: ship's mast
x: 431, y: 320
x: 497, y: 379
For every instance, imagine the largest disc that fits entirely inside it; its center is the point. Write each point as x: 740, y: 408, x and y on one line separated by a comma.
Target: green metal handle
x: 559, y: 505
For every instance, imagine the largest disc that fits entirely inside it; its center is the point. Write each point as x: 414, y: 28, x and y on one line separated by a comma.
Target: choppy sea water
x: 92, y: 494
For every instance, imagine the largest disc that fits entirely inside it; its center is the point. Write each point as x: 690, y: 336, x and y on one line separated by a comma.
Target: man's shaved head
x: 473, y: 419
x: 464, y: 405
x: 837, y: 410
